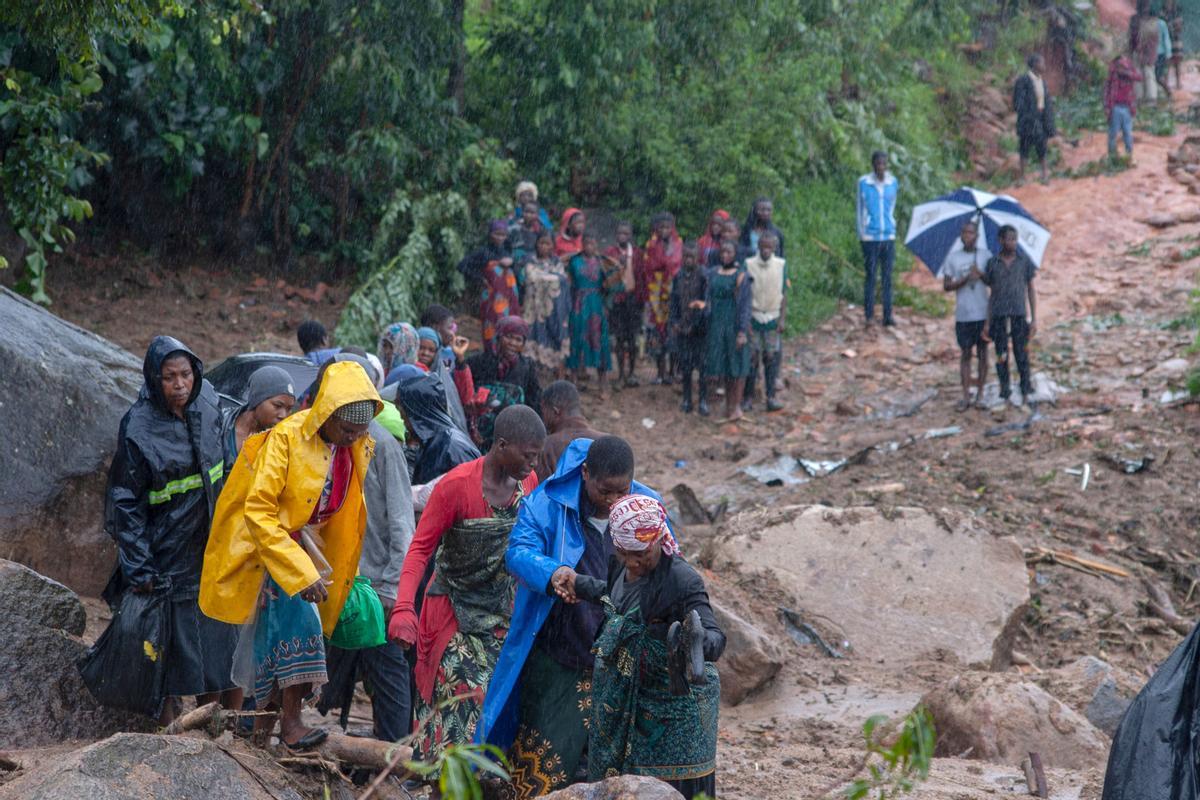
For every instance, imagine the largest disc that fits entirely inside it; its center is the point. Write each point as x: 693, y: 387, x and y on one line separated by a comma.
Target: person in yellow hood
x: 285, y: 543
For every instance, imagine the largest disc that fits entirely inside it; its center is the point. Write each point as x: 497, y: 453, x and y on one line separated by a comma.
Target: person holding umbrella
x: 1010, y: 276
x: 962, y: 273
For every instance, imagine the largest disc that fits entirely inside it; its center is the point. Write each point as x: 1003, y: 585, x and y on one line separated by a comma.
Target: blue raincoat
x: 548, y: 535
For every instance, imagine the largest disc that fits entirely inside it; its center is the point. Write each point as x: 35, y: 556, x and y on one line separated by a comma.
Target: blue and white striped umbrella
x: 935, y: 226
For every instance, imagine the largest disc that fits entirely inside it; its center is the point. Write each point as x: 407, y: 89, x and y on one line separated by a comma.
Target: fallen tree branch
x: 206, y: 715
x: 1160, y: 605
x: 1064, y: 558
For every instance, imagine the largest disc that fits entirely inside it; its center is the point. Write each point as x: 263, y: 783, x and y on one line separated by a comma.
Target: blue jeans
x: 1120, y: 120
x: 878, y: 256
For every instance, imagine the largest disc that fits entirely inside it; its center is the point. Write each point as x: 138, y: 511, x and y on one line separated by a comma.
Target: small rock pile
x: 1183, y: 164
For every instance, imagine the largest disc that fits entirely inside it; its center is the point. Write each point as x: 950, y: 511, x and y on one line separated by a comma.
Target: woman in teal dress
x: 728, y: 346
x: 589, y: 323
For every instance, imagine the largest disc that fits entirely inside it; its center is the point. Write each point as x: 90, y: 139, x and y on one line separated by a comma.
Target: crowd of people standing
x: 489, y: 574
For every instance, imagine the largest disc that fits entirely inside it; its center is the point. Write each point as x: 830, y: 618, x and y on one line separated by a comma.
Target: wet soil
x: 1113, y: 296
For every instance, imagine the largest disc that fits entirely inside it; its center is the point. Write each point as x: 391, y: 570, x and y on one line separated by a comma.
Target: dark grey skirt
x: 199, y: 659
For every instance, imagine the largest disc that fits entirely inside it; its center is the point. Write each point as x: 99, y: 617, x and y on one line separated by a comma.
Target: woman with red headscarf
x: 569, y: 240
x: 710, y: 242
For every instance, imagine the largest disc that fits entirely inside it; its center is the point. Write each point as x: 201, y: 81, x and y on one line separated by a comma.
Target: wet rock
x: 880, y: 578
x: 45, y: 602
x: 65, y: 392
x: 42, y: 698
x: 624, y: 787
x: 1094, y: 688
x: 751, y: 659
x: 1001, y: 718
x: 134, y: 766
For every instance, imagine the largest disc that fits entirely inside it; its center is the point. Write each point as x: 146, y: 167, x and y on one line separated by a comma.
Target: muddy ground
x: 1113, y: 297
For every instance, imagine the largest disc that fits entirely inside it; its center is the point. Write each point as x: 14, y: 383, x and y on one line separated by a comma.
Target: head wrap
x: 526, y: 186
x: 360, y: 412
x: 429, y: 335
x: 637, y: 521
x: 267, y: 382
x: 509, y: 326
x: 500, y: 225
x: 512, y: 325
x: 403, y: 339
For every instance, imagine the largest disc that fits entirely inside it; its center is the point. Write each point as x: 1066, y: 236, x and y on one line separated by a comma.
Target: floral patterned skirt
x: 552, y: 734
x: 450, y: 716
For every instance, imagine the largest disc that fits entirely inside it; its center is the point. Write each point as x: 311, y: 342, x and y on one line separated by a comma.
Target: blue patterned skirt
x: 288, y: 646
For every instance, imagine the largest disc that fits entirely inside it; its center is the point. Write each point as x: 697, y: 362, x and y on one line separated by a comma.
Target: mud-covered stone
x: 751, y: 659
x: 1001, y: 718
x: 900, y: 587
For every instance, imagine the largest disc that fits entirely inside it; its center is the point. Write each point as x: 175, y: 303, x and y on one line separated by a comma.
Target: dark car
x: 231, y: 375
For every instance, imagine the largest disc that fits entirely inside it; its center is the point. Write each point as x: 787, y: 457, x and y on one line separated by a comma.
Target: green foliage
x: 458, y: 767
x: 896, y: 768
x: 637, y: 105
x: 41, y: 170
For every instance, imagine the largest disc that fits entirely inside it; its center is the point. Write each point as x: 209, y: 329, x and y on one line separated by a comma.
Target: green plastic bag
x: 361, y: 624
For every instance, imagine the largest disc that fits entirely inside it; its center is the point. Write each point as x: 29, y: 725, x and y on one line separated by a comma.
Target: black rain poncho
x: 162, y: 487
x: 1155, y: 751
x: 443, y: 445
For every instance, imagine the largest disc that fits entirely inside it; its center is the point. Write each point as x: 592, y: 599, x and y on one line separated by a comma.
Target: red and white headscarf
x: 637, y: 521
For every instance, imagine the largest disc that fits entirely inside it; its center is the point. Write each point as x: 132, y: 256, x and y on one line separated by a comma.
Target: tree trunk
x: 457, y: 85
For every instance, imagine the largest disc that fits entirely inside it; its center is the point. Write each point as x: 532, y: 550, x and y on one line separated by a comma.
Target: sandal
x: 962, y: 405
x: 309, y: 741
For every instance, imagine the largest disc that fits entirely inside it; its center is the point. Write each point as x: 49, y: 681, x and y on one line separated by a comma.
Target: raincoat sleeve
x: 128, y: 510
x: 283, y: 558
x: 529, y: 543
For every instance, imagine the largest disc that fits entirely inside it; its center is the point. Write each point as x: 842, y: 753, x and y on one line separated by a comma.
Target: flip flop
x: 308, y: 741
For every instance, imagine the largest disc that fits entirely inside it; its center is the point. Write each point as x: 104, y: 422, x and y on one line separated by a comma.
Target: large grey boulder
x: 63, y: 391
x: 135, y: 766
x: 25, y: 593
x: 901, y: 587
x: 624, y: 787
x: 42, y: 698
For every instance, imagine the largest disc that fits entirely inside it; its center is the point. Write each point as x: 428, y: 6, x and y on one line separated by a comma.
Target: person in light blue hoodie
x: 876, y: 217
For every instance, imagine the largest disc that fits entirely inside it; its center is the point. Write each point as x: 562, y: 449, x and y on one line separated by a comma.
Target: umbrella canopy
x: 935, y: 226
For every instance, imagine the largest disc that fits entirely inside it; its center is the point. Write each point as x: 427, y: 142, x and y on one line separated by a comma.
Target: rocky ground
x: 988, y: 561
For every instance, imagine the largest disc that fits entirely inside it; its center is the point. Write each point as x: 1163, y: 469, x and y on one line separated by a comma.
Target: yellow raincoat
x: 272, y: 491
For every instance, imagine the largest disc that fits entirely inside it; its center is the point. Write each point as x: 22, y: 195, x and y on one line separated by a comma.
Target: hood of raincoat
x: 424, y: 402
x: 272, y: 492
x: 443, y: 444
x: 161, y: 347
x: 164, y: 480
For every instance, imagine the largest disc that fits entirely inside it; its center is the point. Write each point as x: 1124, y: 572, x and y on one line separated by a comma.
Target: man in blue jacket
x: 876, y: 215
x: 537, y: 704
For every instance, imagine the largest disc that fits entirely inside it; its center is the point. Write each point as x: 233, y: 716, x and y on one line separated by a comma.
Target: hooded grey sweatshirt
x: 390, y: 523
